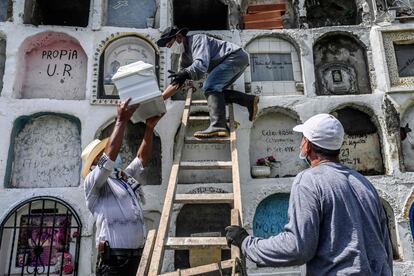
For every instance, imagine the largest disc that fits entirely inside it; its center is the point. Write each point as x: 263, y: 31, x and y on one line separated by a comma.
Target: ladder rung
x: 204, y: 198
x: 204, y: 269
x: 199, y: 118
x: 195, y: 242
x: 199, y: 102
x: 205, y: 165
x: 213, y: 140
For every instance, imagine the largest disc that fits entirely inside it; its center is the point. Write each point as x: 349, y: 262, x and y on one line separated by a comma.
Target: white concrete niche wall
x: 274, y: 67
x: 392, y: 228
x: 341, y: 66
x: 138, y: 14
x: 53, y: 66
x: 362, y: 147
x: 17, y: 243
x: 271, y: 215
x: 407, y: 139
x: 2, y: 60
x: 272, y: 135
x: 44, y: 152
x: 132, y: 140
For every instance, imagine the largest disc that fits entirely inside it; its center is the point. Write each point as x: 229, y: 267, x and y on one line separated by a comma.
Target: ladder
x: 157, y: 243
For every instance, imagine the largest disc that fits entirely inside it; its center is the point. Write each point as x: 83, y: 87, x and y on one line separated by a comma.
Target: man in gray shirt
x: 114, y: 197
x: 337, y: 224
x: 223, y: 61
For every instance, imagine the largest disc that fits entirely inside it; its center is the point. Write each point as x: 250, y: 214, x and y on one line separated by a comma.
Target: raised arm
x: 125, y: 112
x: 170, y: 91
x: 145, y: 149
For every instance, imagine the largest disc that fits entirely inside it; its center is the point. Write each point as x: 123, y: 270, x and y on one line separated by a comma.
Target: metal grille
x: 40, y: 236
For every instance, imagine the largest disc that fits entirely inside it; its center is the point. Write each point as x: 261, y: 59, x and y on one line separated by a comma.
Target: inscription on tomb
x: 271, y: 215
x: 272, y: 135
x: 47, y: 153
x: 55, y: 71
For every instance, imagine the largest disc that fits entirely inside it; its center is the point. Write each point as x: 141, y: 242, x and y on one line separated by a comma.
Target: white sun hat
x: 323, y: 130
x: 90, y: 152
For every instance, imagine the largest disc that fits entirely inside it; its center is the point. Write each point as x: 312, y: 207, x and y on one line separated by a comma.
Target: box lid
x: 138, y: 67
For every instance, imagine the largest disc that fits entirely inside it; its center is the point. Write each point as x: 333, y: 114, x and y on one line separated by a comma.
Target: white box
x: 138, y: 82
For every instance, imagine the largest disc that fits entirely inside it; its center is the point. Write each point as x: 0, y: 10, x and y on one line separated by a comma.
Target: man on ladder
x: 223, y: 61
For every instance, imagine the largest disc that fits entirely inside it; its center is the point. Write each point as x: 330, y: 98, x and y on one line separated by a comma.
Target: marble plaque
x: 47, y: 153
x: 130, y: 13
x: 272, y: 135
x: 271, y: 67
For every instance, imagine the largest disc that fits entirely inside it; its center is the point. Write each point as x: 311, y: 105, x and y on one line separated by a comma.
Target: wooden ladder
x: 157, y: 243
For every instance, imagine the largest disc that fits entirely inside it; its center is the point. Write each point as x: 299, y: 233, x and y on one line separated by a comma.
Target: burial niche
x: 132, y: 140
x: 54, y: 67
x: 120, y: 52
x: 271, y: 215
x: 40, y: 236
x: 272, y: 136
x: 200, y: 14
x: 45, y: 151
x: 320, y: 13
x: 340, y: 66
x: 132, y: 13
x: 6, y: 10
x: 2, y: 61
x: 361, y: 149
x: 274, y: 67
x: 201, y: 220
x: 62, y: 12
x: 391, y: 228
x: 404, y: 55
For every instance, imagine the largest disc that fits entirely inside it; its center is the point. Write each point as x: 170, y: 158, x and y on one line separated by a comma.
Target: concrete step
x: 205, y: 165
x: 213, y: 140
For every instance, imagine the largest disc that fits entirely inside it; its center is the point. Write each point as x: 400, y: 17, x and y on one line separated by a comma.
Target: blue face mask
x: 304, y: 158
x: 118, y: 162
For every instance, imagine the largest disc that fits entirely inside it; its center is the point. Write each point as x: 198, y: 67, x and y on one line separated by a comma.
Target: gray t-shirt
x: 337, y: 226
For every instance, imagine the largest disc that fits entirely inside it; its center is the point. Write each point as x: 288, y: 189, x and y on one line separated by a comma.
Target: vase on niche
x: 260, y: 171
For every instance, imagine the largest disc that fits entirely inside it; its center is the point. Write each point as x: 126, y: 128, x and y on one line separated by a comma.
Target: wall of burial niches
x: 6, y: 10
x: 133, y: 137
x: 407, y: 139
x: 45, y: 151
x: 272, y: 135
x: 122, y: 51
x: 196, y: 219
x: 271, y: 215
x: 2, y: 61
x: 361, y: 149
x: 201, y: 14
x: 274, y: 67
x: 62, y: 12
x: 331, y: 13
x: 54, y: 67
x: 391, y: 228
x: 132, y: 13
x: 340, y: 66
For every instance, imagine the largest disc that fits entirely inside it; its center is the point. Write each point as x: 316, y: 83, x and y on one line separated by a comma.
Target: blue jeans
x: 227, y: 72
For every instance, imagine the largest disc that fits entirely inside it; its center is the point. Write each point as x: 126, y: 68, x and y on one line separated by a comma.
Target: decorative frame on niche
x: 399, y: 37
x: 98, y: 66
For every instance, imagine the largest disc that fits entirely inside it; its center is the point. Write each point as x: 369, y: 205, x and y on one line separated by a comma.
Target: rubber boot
x: 217, y: 112
x: 249, y: 101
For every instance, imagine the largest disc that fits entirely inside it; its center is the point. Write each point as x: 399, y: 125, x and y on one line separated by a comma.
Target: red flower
x: 271, y: 158
x: 261, y: 162
x: 75, y: 234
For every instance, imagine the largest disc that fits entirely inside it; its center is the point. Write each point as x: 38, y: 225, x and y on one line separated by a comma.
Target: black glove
x: 235, y: 235
x: 179, y: 77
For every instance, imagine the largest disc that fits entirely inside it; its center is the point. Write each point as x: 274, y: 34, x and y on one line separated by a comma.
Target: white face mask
x: 303, y: 157
x: 178, y: 48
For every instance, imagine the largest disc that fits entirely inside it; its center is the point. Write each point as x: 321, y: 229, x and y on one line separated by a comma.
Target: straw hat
x: 90, y: 152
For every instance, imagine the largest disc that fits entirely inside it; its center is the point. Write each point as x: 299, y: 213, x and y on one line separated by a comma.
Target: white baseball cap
x: 323, y: 130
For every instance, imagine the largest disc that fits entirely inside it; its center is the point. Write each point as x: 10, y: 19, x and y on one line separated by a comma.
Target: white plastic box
x: 138, y: 82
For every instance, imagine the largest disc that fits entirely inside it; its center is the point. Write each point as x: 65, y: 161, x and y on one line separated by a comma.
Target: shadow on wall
x: 322, y: 13
x: 2, y: 61
x: 392, y: 229
x: 6, y: 10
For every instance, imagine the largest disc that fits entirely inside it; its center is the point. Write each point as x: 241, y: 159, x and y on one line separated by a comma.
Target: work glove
x: 179, y: 77
x: 235, y: 235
